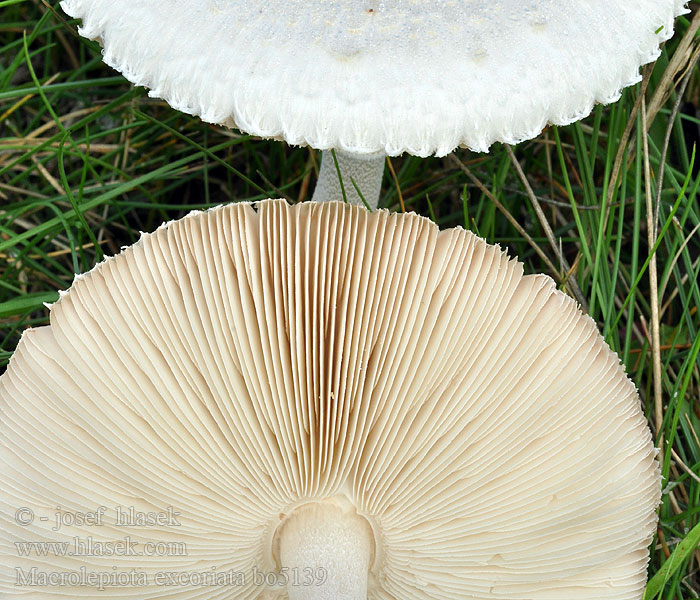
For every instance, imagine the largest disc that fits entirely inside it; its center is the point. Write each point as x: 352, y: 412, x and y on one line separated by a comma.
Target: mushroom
x: 371, y: 79
x: 317, y: 401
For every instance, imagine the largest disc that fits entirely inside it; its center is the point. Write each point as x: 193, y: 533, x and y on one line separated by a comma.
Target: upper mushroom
x: 356, y: 400
x: 390, y: 77
x: 370, y: 79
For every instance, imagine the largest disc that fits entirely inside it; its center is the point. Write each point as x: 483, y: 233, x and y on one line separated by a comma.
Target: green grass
x: 87, y: 162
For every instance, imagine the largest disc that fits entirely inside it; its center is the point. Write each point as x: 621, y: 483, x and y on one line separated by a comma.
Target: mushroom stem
x: 365, y: 170
x: 326, y: 550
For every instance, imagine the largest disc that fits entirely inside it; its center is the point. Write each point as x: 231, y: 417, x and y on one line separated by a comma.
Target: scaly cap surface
x: 400, y: 76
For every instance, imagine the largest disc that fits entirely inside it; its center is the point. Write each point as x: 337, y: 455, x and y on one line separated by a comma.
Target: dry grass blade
x: 654, y: 287
x: 575, y: 290
x: 680, y: 61
x: 511, y: 219
x: 396, y: 183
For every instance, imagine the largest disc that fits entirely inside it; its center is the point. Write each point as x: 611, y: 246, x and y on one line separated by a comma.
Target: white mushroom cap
x: 247, y: 364
x: 374, y: 76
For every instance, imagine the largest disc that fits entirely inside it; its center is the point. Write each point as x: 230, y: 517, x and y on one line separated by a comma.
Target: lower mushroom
x: 320, y: 402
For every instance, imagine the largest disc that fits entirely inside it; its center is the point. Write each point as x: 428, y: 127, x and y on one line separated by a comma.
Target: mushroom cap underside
x: 241, y: 362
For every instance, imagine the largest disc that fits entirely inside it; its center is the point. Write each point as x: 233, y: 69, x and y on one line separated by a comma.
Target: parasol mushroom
x: 321, y: 402
x: 371, y: 79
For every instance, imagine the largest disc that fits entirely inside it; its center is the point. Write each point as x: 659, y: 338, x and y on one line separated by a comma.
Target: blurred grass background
x: 87, y: 162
